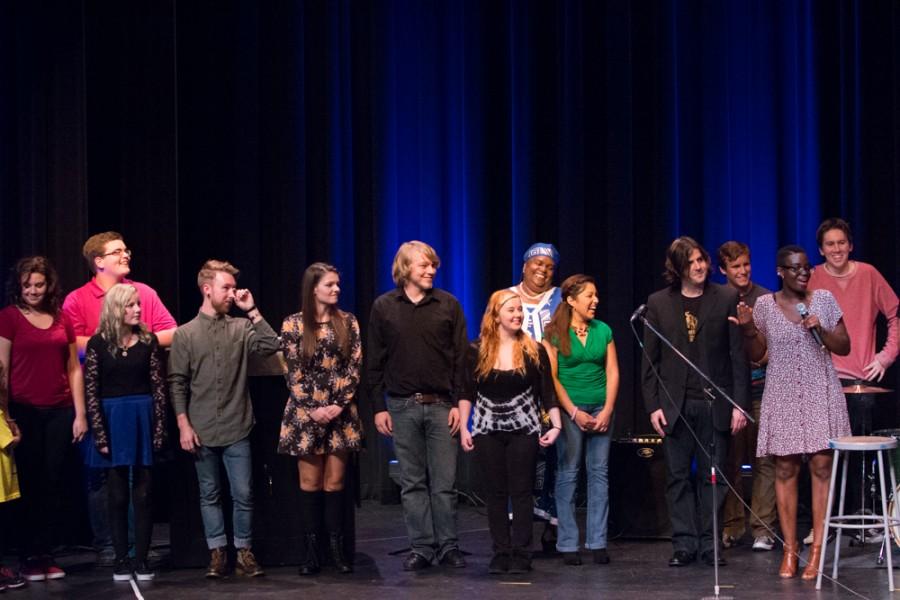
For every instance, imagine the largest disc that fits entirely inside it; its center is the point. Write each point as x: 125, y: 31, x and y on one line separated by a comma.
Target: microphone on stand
x: 817, y: 335
x: 638, y: 312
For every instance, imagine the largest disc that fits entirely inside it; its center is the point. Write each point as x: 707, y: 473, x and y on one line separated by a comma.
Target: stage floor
x: 638, y: 569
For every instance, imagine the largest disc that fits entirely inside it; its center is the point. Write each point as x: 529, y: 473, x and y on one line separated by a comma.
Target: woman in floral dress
x: 321, y: 425
x: 802, y: 406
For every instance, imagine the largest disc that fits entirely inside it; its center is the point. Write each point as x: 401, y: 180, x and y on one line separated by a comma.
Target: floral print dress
x: 328, y: 379
x: 802, y: 406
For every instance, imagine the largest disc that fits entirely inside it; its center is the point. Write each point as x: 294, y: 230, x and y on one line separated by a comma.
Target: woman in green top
x: 586, y: 375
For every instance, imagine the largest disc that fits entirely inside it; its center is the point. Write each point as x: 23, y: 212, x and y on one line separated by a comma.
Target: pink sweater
x: 861, y: 295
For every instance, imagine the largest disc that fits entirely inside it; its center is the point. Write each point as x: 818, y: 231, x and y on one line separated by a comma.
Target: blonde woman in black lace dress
x: 321, y: 425
x: 126, y: 400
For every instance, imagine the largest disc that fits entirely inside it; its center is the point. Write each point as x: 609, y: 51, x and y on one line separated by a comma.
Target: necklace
x: 581, y: 331
x: 528, y: 296
x: 125, y: 345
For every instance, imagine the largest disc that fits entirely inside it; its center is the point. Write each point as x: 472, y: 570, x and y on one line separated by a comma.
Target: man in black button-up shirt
x: 416, y: 354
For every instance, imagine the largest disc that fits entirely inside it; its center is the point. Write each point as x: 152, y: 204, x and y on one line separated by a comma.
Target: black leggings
x: 117, y: 484
x: 40, y: 458
x: 507, y: 462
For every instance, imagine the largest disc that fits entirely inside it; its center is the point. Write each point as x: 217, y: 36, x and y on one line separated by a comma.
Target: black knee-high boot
x: 310, y: 518
x: 334, y: 523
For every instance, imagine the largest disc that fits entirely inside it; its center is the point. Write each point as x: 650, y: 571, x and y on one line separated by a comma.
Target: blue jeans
x: 570, y: 446
x: 236, y: 459
x: 426, y: 453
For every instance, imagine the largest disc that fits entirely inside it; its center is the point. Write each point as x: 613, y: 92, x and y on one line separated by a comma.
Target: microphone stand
x: 638, y: 314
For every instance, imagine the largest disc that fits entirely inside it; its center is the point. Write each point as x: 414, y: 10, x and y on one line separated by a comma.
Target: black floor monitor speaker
x: 637, y: 486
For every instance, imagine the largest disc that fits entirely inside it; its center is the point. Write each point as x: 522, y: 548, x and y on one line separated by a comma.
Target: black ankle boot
x: 336, y: 546
x: 548, y: 538
x: 310, y: 565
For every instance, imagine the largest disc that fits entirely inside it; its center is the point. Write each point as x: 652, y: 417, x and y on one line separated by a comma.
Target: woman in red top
x: 46, y: 398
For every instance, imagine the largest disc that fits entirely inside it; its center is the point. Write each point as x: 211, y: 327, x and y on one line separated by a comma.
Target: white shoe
x: 763, y: 544
x: 808, y: 540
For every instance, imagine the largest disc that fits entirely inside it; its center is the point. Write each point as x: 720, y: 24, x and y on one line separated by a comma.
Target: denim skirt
x: 129, y: 426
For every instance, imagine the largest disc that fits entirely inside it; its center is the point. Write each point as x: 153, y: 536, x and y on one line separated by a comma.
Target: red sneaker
x: 33, y: 570
x: 53, y: 570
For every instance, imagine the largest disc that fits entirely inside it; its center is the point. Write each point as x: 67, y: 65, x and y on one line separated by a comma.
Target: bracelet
x: 555, y: 427
x: 574, y: 412
x: 250, y: 310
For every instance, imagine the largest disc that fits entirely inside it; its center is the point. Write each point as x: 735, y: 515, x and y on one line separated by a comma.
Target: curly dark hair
x: 23, y: 269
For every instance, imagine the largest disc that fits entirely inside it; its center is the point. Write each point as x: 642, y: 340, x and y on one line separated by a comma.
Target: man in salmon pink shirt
x: 863, y: 294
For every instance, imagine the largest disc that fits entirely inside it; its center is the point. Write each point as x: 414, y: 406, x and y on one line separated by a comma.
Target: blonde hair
x: 211, y: 267
x: 490, y: 338
x: 112, y: 316
x: 404, y: 257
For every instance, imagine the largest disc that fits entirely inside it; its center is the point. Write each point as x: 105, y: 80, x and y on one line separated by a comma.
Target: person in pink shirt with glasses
x: 110, y: 260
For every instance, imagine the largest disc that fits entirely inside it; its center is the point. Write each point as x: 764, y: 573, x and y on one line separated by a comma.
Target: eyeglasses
x: 118, y: 253
x: 797, y: 269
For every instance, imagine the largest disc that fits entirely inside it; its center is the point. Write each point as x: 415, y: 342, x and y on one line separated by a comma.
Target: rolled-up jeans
x: 570, y: 446
x: 426, y: 453
x: 236, y: 459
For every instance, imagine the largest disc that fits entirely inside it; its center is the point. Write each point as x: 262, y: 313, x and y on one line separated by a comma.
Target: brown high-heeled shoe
x: 789, y: 561
x: 812, y: 562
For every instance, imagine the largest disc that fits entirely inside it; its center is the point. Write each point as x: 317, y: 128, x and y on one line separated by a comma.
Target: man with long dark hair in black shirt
x: 416, y: 363
x: 684, y: 409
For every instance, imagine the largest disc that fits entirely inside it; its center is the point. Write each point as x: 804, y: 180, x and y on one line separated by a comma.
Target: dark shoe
x: 520, y: 562
x: 336, y: 547
x: 601, y: 556
x: 571, y: 559
x: 454, y: 558
x: 218, y: 565
x: 10, y: 580
x: 709, y: 558
x: 499, y: 564
x: 122, y: 570
x: 311, y: 565
x: 246, y: 564
x: 680, y: 558
x: 143, y: 572
x: 548, y: 539
x: 415, y: 562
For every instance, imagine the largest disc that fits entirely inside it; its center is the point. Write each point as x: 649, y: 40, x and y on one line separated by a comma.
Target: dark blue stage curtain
x: 728, y: 118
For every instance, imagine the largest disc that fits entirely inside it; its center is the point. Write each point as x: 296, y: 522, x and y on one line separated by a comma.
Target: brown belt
x: 425, y: 398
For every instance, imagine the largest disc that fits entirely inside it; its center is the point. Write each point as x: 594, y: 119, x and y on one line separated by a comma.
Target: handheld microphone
x: 638, y: 312
x: 817, y: 335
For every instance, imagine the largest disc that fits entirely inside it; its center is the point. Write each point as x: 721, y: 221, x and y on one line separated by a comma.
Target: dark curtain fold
x: 279, y: 133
